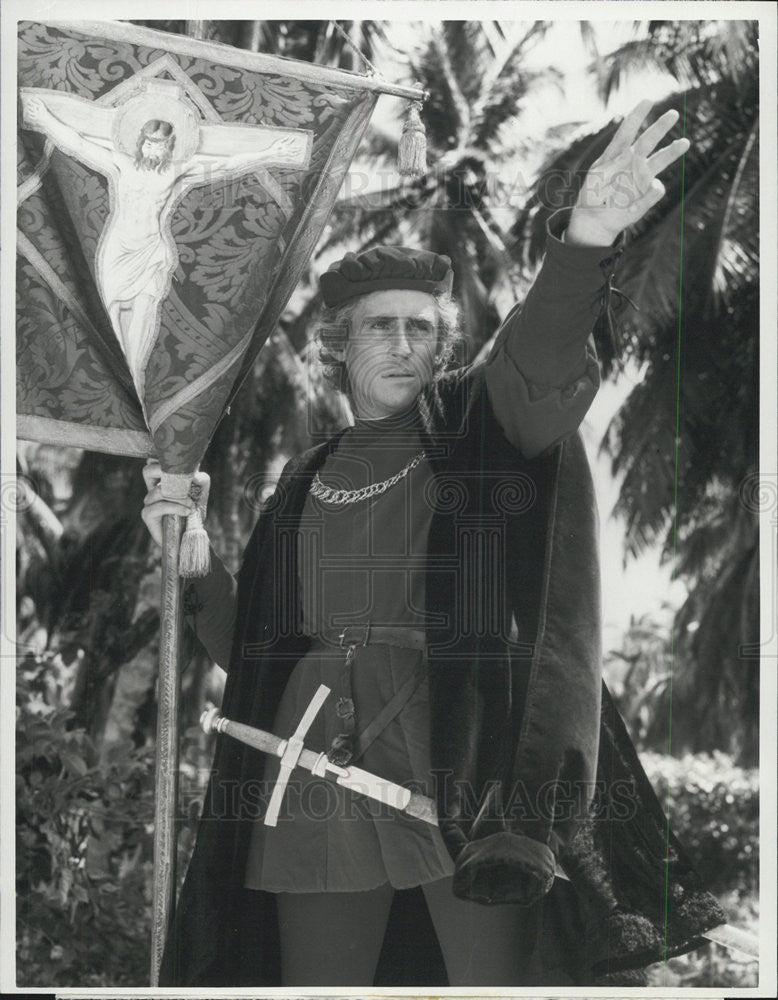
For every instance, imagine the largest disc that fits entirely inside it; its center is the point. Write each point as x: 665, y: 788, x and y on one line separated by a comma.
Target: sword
x: 293, y: 754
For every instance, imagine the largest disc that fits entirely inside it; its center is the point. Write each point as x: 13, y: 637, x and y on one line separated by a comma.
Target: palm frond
x: 694, y: 53
x: 445, y: 113
x: 634, y: 56
x: 589, y: 39
x: 733, y: 47
x: 501, y: 100
x: 469, y: 51
x: 717, y: 688
x: 715, y: 405
x: 714, y: 229
x: 332, y: 49
x: 641, y: 442
x: 739, y: 251
x: 508, y: 53
x: 363, y: 215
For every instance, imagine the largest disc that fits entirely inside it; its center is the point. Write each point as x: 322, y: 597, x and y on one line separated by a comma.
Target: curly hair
x: 335, y: 325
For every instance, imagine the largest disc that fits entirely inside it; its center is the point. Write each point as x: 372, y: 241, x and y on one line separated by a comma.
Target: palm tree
x: 685, y: 441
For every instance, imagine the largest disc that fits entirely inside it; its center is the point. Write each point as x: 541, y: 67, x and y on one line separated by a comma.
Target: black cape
x: 540, y: 762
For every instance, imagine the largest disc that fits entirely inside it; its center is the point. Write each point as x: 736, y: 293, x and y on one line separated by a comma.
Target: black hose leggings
x: 335, y: 938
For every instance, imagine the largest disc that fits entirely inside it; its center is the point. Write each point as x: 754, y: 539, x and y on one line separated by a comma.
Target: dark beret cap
x: 385, y: 267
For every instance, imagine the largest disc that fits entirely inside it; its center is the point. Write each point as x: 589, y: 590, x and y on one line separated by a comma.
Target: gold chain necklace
x: 328, y: 495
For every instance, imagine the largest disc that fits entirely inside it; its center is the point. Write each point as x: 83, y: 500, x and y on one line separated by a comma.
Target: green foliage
x: 685, y: 442
x: 84, y: 829
x: 654, y: 680
x: 84, y: 847
x: 713, y: 807
x: 695, y: 53
x: 712, y: 804
x: 714, y: 810
x: 638, y: 676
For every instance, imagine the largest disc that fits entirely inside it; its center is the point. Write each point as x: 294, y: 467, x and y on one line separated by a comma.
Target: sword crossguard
x: 290, y: 756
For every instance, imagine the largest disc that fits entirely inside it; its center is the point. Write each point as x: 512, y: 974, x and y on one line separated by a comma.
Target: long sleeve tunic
x: 365, y: 562
x: 541, y: 377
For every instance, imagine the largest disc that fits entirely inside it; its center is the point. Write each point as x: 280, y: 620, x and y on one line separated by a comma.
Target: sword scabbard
x: 365, y: 783
x: 423, y: 808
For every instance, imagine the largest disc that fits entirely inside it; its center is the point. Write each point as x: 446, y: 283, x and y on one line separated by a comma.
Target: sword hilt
x: 210, y: 720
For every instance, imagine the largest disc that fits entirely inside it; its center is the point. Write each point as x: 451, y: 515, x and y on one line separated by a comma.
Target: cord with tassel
x: 194, y: 555
x: 412, y: 150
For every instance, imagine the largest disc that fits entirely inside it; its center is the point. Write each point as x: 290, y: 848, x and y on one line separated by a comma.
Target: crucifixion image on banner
x: 152, y: 148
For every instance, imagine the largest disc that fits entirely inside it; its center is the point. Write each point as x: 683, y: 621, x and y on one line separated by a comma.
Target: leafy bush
x: 714, y: 810
x: 84, y: 852
x: 84, y: 846
x: 655, y: 684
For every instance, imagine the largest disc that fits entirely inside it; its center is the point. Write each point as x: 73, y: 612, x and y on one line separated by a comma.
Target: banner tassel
x: 412, y: 150
x: 194, y: 554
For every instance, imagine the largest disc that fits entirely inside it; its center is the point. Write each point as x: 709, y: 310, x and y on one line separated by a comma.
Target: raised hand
x: 622, y: 184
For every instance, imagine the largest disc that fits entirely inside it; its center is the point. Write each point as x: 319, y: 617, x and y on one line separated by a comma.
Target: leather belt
x: 347, y: 746
x: 365, y: 634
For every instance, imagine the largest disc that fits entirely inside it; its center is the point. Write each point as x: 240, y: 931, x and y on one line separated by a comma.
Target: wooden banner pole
x: 168, y: 690
x: 166, y: 770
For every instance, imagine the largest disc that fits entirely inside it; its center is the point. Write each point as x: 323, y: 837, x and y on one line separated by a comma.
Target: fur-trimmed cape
x: 535, y: 766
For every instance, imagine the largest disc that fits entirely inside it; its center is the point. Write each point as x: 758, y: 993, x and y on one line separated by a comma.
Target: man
x: 451, y: 536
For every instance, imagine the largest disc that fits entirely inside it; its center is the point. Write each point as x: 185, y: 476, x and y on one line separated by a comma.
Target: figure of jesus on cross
x: 155, y: 151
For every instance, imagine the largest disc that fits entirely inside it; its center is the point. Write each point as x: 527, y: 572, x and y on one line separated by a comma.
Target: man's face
x: 155, y: 150
x: 390, y: 350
